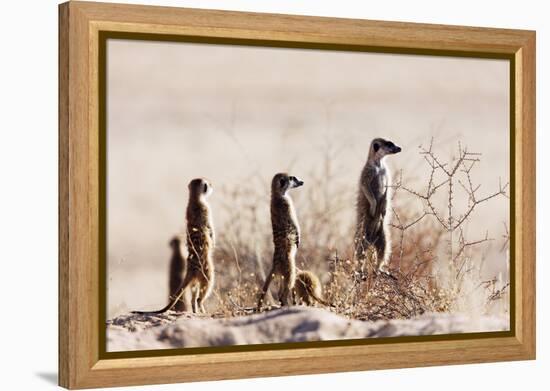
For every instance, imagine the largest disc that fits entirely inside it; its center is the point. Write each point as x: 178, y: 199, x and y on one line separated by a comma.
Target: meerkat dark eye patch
x: 376, y: 147
x: 205, y: 187
x: 389, y: 144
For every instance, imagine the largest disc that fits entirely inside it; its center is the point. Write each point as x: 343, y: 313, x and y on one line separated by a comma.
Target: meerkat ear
x: 282, y: 182
x: 376, y: 147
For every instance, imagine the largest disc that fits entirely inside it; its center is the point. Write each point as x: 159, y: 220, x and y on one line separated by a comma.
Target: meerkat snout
x: 382, y: 147
x: 283, y: 182
x: 295, y: 182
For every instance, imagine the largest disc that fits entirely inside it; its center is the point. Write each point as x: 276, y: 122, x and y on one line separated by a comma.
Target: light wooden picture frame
x: 85, y: 27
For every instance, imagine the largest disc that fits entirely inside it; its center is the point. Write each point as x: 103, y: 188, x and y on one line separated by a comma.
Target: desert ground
x: 292, y: 324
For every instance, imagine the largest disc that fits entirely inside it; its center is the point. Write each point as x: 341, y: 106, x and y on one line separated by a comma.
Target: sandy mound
x: 294, y: 324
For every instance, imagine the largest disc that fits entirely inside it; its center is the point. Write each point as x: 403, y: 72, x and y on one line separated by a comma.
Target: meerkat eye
x: 205, y: 187
x: 390, y: 144
x: 376, y: 147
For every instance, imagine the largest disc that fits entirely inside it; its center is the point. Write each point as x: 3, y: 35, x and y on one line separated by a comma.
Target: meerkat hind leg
x: 184, y: 302
x: 265, y: 288
x: 195, y: 298
x: 202, y: 294
x: 383, y: 258
x: 283, y: 294
x: 285, y: 290
x: 381, y: 253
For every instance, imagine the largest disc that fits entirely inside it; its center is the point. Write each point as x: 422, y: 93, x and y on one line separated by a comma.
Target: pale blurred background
x: 239, y: 114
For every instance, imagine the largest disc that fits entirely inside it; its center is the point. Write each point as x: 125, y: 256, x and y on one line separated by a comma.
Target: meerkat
x: 286, y: 237
x: 373, y: 201
x: 199, y: 277
x: 177, y: 271
x: 308, y: 288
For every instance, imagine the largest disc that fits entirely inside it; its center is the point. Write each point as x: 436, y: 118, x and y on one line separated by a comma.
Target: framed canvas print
x: 248, y: 195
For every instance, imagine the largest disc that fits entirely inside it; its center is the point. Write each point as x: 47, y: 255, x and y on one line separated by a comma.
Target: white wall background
x: 28, y: 199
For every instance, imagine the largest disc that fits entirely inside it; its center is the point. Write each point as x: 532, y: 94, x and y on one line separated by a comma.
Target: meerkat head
x: 175, y: 243
x: 200, y: 187
x: 380, y: 148
x: 282, y: 182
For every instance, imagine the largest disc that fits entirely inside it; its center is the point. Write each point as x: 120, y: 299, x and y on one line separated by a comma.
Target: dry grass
x: 436, y: 267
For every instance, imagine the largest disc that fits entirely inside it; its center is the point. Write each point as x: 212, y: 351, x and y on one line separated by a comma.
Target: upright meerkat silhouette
x: 199, y: 277
x: 286, y: 237
x: 176, y: 275
x: 373, y: 201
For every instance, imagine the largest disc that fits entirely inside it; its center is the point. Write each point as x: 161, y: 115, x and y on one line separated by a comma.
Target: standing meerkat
x: 177, y: 271
x: 373, y: 201
x: 286, y: 237
x: 199, y: 277
x: 308, y: 289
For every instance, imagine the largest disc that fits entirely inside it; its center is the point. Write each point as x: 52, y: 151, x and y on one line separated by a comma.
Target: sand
x: 292, y: 324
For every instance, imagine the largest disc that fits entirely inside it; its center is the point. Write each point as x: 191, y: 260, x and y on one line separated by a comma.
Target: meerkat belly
x: 292, y: 252
x: 287, y: 249
x: 379, y: 184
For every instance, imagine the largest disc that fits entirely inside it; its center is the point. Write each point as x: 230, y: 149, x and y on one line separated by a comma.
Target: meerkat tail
x: 161, y: 311
x: 308, y: 283
x: 318, y: 299
x: 171, y: 304
x: 321, y: 301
